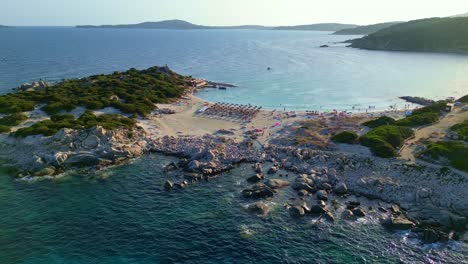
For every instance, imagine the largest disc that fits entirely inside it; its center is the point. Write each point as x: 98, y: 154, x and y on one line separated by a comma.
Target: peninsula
x: 425, y: 35
x: 318, y: 27
x: 408, y: 171
x: 365, y: 30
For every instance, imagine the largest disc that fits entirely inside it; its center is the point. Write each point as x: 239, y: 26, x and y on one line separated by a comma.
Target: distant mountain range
x: 318, y: 27
x: 431, y: 34
x: 171, y: 24
x: 461, y: 15
x: 366, y: 30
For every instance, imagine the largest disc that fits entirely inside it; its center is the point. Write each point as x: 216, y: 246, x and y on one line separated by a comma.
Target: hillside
x: 318, y: 27
x: 430, y: 35
x: 171, y: 24
x: 365, y: 30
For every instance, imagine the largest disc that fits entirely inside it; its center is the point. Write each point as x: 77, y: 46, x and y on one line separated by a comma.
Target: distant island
x: 171, y: 24
x: 366, y: 30
x: 184, y: 25
x: 2, y: 26
x: 318, y: 27
x: 430, y: 35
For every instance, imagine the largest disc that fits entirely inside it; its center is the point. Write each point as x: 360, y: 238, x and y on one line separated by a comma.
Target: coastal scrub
x: 383, y: 140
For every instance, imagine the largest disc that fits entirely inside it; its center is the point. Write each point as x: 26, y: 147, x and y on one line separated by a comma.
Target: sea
x: 122, y: 214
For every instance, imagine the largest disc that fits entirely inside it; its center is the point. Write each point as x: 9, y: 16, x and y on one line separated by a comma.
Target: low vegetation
x: 133, y: 92
x: 381, y: 121
x: 456, y: 152
x: 87, y: 120
x: 384, y: 140
x: 461, y: 130
x: 347, y: 137
x: 13, y: 119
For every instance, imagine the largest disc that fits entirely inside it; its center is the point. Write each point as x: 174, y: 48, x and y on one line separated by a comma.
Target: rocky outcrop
x: 258, y: 208
x: 69, y: 148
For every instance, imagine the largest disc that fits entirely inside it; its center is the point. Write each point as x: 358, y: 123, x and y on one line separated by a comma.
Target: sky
x: 222, y: 12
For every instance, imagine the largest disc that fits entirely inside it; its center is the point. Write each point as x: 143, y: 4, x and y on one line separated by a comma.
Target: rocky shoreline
x: 431, y: 203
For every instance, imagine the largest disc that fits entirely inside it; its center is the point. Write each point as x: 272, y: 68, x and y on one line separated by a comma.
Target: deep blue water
x: 303, y: 76
x: 123, y: 216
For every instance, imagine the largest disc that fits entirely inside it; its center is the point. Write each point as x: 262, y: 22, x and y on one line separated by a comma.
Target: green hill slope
x: 365, y: 30
x: 432, y: 35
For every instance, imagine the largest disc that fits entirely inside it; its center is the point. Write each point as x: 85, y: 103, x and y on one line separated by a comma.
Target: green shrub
x: 347, y: 137
x: 381, y: 121
x: 4, y: 129
x: 421, y: 119
x: 462, y: 130
x: 13, y: 119
x: 87, y: 120
x: 383, y: 140
x: 456, y: 152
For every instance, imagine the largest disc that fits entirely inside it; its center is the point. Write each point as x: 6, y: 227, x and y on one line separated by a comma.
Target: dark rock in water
x: 170, y: 167
x: 193, y: 177
x: 296, y: 211
x: 321, y: 203
x: 458, y: 223
x: 256, y: 178
x: 398, y: 222
x: 358, y: 212
x: 348, y: 214
x: 303, y: 186
x: 326, y: 186
x: 273, y: 170
x: 181, y: 185
x: 383, y: 210
x: 324, y: 46
x: 302, y: 193
x: 317, y: 209
x: 341, y: 189
x: 430, y: 236
x: 258, y: 208
x: 352, y: 204
x: 329, y: 216
x: 395, y: 209
x: 259, y: 190
x: 276, y: 183
x: 194, y: 165
x: 258, y: 168
x: 168, y: 185
x: 322, y: 195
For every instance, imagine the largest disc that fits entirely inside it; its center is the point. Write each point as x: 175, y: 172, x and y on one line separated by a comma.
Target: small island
x: 392, y: 165
x: 318, y: 27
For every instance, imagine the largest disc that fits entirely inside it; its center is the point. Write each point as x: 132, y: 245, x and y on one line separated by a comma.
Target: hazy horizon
x: 220, y: 13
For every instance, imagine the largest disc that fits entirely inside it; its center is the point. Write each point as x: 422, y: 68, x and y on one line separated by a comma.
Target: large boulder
x: 303, y: 186
x: 398, y: 222
x: 91, y: 142
x: 49, y: 171
x: 258, y: 208
x: 168, y: 185
x: 259, y: 190
x: 317, y: 209
x: 358, y: 212
x: 296, y: 211
x: 82, y: 159
x: 194, y: 165
x: 341, y: 189
x: 276, y: 183
x: 322, y: 195
x: 256, y: 178
x: 273, y: 170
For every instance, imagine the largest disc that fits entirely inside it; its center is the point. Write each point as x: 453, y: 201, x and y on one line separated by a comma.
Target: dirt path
x: 435, y: 132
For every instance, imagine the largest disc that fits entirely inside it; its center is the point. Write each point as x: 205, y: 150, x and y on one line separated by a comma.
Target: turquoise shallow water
x: 122, y: 216
x: 303, y: 76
